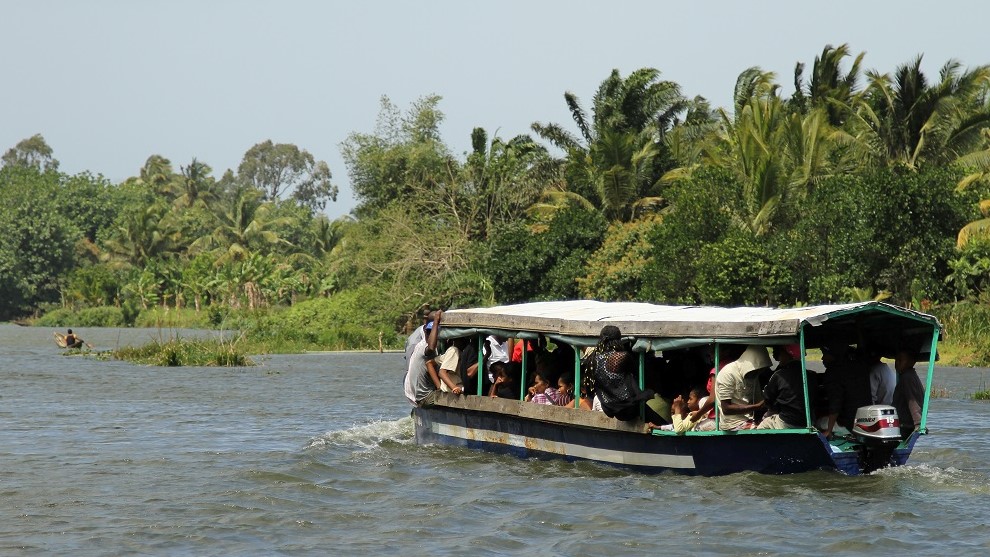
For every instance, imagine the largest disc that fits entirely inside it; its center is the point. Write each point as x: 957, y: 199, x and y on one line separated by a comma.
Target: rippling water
x: 313, y: 455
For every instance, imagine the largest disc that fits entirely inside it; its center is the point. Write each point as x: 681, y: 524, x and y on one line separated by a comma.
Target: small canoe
x: 61, y: 342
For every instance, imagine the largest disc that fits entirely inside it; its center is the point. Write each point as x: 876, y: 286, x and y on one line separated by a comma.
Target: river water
x: 314, y: 455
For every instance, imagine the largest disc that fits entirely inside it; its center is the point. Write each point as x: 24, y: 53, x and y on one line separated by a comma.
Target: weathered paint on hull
x: 707, y: 455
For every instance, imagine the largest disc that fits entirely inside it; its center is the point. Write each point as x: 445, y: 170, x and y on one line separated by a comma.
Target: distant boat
x: 61, y: 342
x: 535, y: 430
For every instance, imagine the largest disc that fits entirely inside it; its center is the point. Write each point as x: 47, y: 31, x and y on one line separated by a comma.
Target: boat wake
x: 938, y: 478
x: 369, y: 436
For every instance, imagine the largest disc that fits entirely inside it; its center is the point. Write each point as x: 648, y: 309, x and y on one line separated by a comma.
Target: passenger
x: 659, y: 410
x: 504, y: 384
x: 909, y: 394
x: 737, y: 389
x: 422, y: 381
x: 614, y: 369
x: 882, y: 378
x: 701, y: 419
x: 467, y: 364
x: 784, y: 393
x: 565, y: 389
x: 538, y: 391
x: 683, y: 412
x: 72, y: 341
x: 450, y: 377
x: 847, y: 384
x: 496, y: 349
x: 516, y: 348
x: 414, y: 338
x: 587, y: 401
x: 561, y: 360
x: 728, y: 353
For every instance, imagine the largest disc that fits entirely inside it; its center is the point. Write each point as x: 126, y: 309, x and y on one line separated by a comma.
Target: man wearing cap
x: 737, y: 389
x: 784, y: 392
x: 422, y: 381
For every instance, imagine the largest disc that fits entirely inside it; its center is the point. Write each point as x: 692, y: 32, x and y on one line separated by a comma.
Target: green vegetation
x: 186, y: 352
x: 861, y: 184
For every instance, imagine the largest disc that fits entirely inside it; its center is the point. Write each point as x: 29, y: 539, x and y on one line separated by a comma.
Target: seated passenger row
x: 681, y: 387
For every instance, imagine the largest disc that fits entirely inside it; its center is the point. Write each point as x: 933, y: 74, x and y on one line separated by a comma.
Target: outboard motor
x: 878, y: 428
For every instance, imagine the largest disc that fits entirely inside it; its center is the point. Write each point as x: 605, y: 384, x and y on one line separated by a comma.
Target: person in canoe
x: 72, y: 341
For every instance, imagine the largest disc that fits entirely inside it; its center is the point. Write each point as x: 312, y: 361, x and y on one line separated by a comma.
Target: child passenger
x: 565, y: 389
x: 540, y: 390
x: 504, y: 385
x: 683, y: 412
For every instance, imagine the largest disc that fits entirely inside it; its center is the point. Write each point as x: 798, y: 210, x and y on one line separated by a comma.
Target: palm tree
x: 194, y: 185
x: 829, y: 88
x: 245, y: 225
x: 620, y: 153
x: 503, y: 178
x: 777, y: 155
x: 901, y: 119
x: 977, y: 229
x: 145, y: 234
x: 157, y: 174
x: 330, y: 234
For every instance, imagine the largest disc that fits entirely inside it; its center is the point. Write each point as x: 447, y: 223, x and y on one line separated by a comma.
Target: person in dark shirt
x: 909, y: 394
x: 847, y: 386
x: 614, y: 369
x: 505, y: 385
x: 784, y: 392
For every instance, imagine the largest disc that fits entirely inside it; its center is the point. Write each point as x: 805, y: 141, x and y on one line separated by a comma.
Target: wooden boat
x: 61, y: 342
x: 533, y: 430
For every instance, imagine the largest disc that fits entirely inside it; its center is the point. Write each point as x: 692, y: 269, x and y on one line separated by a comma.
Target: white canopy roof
x: 585, y: 318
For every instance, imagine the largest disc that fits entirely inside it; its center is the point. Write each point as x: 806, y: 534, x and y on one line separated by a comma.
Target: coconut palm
x: 193, y: 185
x: 157, y: 174
x: 620, y: 153
x: 828, y: 88
x: 503, y: 178
x: 145, y: 234
x: 777, y: 155
x: 246, y: 224
x: 902, y: 119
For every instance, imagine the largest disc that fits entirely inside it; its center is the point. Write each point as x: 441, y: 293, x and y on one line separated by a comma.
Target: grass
x: 966, y: 339
x: 940, y: 391
x: 185, y: 352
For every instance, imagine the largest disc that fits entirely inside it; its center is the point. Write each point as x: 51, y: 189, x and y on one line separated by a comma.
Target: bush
x: 742, y: 270
x: 185, y: 318
x: 967, y: 331
x: 698, y: 217
x: 544, y: 262
x: 104, y: 316
x: 352, y: 319
x: 615, y: 271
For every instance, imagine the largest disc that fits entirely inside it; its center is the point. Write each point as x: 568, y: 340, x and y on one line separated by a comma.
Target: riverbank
x: 317, y: 326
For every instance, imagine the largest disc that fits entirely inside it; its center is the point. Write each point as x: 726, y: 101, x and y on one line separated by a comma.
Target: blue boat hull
x: 695, y: 454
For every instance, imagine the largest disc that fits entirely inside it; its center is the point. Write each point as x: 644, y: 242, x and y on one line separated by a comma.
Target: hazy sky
x: 108, y: 83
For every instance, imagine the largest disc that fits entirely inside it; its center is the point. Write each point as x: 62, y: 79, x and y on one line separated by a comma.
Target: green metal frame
x: 923, y: 426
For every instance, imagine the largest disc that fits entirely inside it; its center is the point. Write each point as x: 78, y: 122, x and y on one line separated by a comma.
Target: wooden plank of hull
x: 534, y: 430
